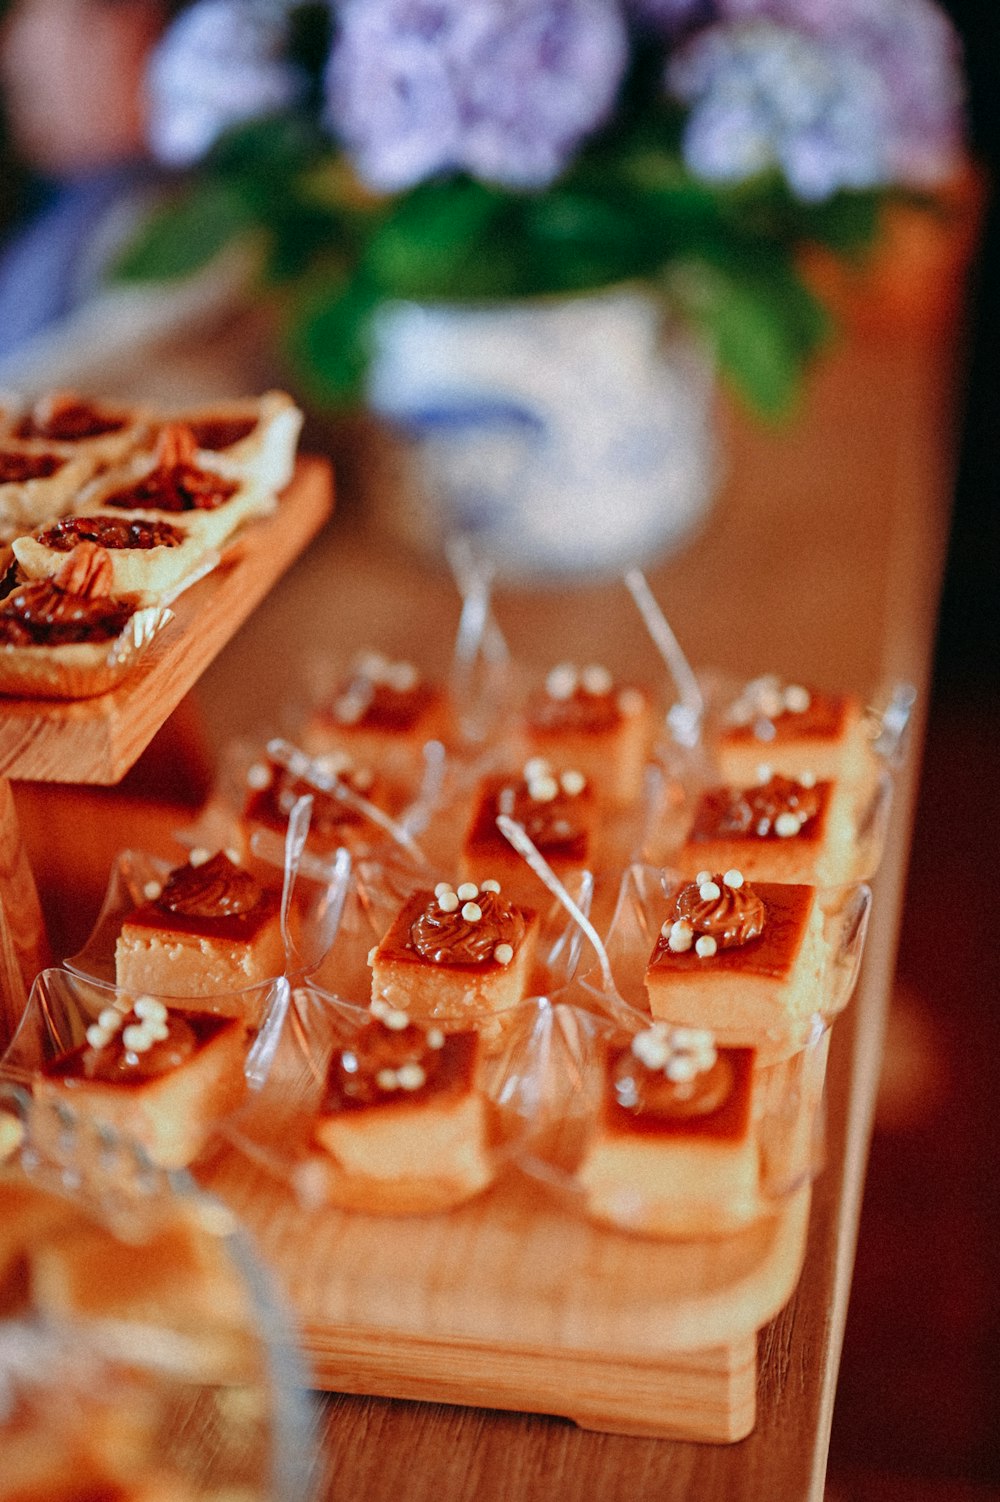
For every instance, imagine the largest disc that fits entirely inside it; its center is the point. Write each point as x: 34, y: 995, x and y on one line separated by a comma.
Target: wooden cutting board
x: 513, y: 1301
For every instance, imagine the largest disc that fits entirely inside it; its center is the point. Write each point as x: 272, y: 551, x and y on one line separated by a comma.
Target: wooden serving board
x: 515, y: 1302
x: 97, y: 740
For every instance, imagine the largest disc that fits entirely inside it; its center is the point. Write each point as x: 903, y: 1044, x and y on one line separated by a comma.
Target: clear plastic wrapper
x: 675, y: 1172
x: 83, y: 670
x: 424, y: 1140
x: 829, y: 960
x: 312, y: 896
x: 143, y: 1351
x: 170, y: 1102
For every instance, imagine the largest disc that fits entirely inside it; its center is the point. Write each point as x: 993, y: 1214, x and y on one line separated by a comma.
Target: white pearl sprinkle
x: 596, y: 680
x: 387, y: 1079
x: 764, y: 772
x: 490, y: 885
x: 703, y: 876
x: 471, y: 912
x: 158, y: 1031
x: 411, y: 1076
x: 705, y: 947
x: 573, y: 783
x: 259, y: 776
x: 110, y: 1019
x: 537, y: 766
x: 395, y: 1019
x: 543, y: 789
x: 152, y: 890
x: 681, y: 937
x: 448, y: 902
x: 796, y: 698
x: 708, y: 891
x: 651, y: 1049
x: 136, y: 1038
x: 561, y: 682
x: 335, y: 763
x: 378, y: 1006
x: 199, y: 855
x: 680, y: 1069
x: 442, y: 887
x: 150, y: 1009
x: 371, y: 665
x: 503, y: 954
x: 467, y: 891
x: 807, y: 780
x: 733, y: 879
x: 787, y: 825
x: 435, y: 1038
x: 402, y: 676
x: 97, y: 1036
x: 233, y: 854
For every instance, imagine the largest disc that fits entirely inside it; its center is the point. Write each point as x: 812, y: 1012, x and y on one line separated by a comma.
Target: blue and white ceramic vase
x: 565, y: 437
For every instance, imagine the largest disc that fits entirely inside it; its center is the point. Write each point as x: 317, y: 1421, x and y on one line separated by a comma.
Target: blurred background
x: 918, y: 1409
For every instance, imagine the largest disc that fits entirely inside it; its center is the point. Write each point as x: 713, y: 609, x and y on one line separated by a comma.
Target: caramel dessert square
x: 174, y: 481
x: 37, y: 482
x: 744, y: 961
x: 150, y: 558
x: 793, y: 730
x: 582, y: 718
x: 778, y: 829
x: 462, y: 952
x: 272, y: 792
x: 557, y: 812
x: 382, y: 714
x: 403, y: 1120
x: 160, y: 1077
x: 257, y: 436
x: 211, y: 928
x: 675, y: 1153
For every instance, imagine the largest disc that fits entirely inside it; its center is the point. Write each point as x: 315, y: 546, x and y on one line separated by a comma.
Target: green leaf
x: 763, y: 322
x: 429, y: 244
x: 327, y: 341
x: 183, y: 236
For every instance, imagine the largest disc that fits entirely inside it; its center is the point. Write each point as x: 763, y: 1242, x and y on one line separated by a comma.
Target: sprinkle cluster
x: 463, y: 899
x: 411, y: 1074
x: 681, y: 1054
x: 372, y: 671
x: 679, y: 933
x: 543, y: 784
x: 766, y: 698
x: 137, y: 1037
x: 594, y: 681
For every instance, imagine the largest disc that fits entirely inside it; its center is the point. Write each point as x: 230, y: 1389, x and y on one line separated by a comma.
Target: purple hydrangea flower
x: 502, y: 89
x: 763, y: 96
x: 914, y: 49
x: 221, y: 62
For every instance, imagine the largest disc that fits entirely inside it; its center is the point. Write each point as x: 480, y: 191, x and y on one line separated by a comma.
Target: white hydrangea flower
x: 220, y: 63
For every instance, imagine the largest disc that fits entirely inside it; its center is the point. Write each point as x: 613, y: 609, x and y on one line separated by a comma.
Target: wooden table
x: 822, y: 561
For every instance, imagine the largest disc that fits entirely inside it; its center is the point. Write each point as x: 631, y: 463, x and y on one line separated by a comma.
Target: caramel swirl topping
x: 110, y: 532
x: 390, y: 1057
x: 175, y: 483
x: 777, y: 806
x: 712, y: 913
x: 214, y: 888
x: 671, y: 1073
x: 470, y: 925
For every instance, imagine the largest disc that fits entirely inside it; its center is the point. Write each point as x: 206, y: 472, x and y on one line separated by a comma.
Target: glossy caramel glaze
x: 772, y: 954
x: 718, y: 1105
x: 364, y: 705
x: 16, y: 468
x: 557, y: 827
x: 115, y: 1064
x: 823, y: 719
x: 273, y: 804
x: 353, y: 1082
x: 115, y: 532
x: 41, y: 614
x: 727, y: 813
